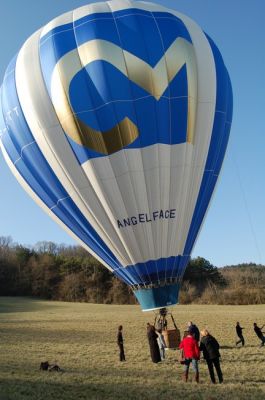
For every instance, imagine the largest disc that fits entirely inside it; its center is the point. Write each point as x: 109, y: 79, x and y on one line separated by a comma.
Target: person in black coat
x: 239, y: 330
x: 120, y: 343
x: 210, y: 348
x: 194, y: 330
x: 152, y: 339
x: 259, y: 333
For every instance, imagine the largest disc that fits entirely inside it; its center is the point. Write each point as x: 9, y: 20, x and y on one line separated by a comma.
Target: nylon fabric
x: 115, y: 117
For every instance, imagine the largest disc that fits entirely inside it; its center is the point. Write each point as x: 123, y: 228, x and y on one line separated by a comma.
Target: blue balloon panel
x: 132, y: 67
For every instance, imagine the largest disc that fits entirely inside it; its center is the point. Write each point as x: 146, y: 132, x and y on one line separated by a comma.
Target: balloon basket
x: 171, y: 336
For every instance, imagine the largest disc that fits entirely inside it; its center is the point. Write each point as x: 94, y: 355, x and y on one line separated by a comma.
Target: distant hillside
x: 245, y: 284
x: 69, y: 273
x: 234, y: 284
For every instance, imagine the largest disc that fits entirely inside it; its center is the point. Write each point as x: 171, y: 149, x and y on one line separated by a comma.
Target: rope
x: 247, y: 209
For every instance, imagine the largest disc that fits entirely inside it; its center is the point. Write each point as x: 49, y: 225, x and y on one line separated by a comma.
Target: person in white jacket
x: 161, y: 343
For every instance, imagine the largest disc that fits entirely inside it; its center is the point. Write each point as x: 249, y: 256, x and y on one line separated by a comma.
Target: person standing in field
x: 239, y: 330
x: 152, y: 340
x: 120, y: 343
x: 259, y: 333
x: 161, y: 343
x: 210, y: 348
x: 191, y: 355
x: 194, y: 330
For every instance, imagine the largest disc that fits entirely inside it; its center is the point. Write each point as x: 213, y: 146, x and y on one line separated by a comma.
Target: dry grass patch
x: 81, y: 338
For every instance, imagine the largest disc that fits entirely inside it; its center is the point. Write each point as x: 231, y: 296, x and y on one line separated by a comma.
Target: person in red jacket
x: 191, y: 353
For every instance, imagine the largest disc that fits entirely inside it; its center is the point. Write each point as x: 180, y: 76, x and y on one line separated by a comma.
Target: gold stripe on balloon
x: 153, y: 80
x: 108, y: 142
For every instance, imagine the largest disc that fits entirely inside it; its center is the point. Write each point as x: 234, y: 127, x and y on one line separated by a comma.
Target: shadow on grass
x: 52, y: 333
x: 23, y: 304
x: 239, y: 347
x: 249, y: 359
x: 13, y: 389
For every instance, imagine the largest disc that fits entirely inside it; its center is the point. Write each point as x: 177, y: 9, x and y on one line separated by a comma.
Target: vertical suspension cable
x: 247, y: 208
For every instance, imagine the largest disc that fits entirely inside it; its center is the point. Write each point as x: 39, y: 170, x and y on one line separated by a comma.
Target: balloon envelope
x: 115, y: 118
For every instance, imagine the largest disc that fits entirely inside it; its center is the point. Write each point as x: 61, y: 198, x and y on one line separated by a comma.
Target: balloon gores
x: 115, y: 118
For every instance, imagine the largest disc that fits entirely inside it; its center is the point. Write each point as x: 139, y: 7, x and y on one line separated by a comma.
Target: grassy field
x: 81, y: 338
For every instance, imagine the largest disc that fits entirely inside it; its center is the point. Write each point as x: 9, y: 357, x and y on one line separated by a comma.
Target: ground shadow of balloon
x: 19, y: 388
x: 24, y: 304
x: 239, y: 347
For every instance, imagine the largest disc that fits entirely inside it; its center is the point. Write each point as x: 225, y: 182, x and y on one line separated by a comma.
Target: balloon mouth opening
x: 157, y: 297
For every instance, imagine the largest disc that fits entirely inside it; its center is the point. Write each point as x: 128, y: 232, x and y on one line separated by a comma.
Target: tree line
x: 68, y: 273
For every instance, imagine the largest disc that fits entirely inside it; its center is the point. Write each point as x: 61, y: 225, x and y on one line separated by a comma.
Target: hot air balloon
x: 115, y: 118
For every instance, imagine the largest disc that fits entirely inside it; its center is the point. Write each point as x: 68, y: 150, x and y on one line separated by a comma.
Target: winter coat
x: 210, y: 347
x: 239, y: 330
x: 190, y: 347
x: 258, y: 332
x: 154, y: 349
x: 161, y: 341
x: 119, y: 338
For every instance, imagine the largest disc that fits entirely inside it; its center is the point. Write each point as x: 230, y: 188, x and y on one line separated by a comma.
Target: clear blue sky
x: 234, y: 229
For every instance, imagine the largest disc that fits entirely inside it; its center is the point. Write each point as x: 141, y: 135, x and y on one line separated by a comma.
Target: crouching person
x: 191, y: 353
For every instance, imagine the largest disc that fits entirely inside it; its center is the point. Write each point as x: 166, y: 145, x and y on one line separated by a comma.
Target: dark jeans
x: 215, y: 362
x: 194, y: 364
x: 122, y: 355
x: 241, y: 340
x: 262, y: 340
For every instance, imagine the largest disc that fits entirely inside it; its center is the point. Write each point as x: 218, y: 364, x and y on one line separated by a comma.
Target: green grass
x: 81, y: 338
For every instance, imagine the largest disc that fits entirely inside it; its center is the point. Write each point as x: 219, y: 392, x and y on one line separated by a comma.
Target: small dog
x: 45, y: 366
x: 54, y: 368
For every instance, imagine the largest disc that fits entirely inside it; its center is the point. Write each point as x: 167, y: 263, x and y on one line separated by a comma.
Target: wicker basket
x: 172, y: 338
